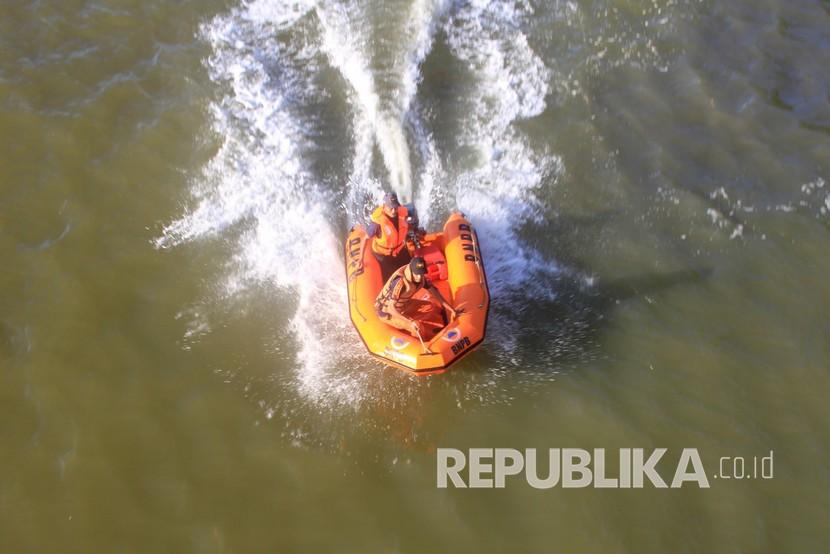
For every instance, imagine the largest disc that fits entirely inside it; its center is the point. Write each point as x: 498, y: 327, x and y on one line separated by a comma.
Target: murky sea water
x: 177, y: 367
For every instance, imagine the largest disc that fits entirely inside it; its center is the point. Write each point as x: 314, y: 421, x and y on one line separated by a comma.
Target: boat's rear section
x: 455, y: 267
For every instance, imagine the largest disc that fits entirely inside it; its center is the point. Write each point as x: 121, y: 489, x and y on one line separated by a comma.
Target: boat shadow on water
x: 563, y: 332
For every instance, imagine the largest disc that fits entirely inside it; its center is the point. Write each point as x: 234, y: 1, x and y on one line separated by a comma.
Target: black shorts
x: 389, y: 264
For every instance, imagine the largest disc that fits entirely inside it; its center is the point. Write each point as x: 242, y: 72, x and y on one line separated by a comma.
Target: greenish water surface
x: 177, y: 368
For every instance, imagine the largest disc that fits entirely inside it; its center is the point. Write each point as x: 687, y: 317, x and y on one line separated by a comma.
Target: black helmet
x: 418, y: 266
x: 390, y: 200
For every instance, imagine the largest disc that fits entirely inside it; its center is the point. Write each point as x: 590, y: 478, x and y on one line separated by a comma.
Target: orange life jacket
x: 391, y: 240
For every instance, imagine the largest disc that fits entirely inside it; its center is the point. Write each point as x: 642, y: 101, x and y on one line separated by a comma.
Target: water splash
x: 273, y: 62
x: 380, y: 118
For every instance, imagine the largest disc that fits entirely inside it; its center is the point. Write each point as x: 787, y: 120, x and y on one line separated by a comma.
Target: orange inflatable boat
x: 455, y: 267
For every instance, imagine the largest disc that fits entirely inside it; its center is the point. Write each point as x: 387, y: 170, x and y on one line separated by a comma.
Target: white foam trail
x: 513, y: 79
x: 260, y: 191
x: 340, y: 44
x: 259, y: 181
x: 259, y: 184
x: 500, y: 193
x: 344, y: 42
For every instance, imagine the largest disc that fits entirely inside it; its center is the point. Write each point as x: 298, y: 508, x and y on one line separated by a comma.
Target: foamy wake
x: 379, y: 119
x: 499, y: 194
x: 260, y: 190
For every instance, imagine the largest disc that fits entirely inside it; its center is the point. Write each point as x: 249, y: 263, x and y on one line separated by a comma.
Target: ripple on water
x: 17, y: 340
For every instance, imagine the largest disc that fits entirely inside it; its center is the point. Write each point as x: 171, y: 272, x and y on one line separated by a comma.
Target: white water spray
x: 261, y: 191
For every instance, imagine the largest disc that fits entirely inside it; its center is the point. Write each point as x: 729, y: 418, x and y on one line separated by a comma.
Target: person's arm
x: 394, y: 314
x: 436, y: 294
x: 373, y: 229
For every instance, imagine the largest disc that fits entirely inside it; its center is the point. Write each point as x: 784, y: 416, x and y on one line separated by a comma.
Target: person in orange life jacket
x: 398, y: 294
x: 389, y: 229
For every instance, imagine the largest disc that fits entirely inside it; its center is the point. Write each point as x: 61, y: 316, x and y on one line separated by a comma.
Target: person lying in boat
x: 391, y: 225
x: 396, y: 301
